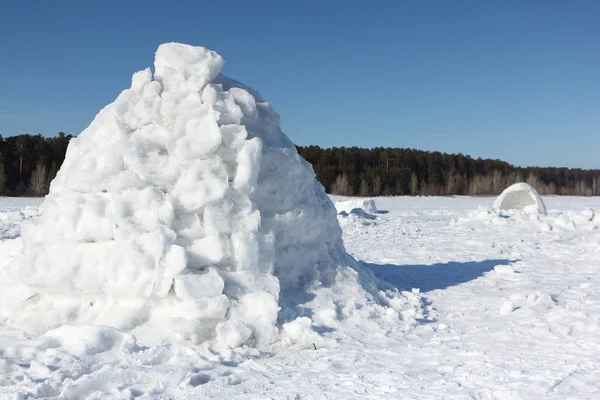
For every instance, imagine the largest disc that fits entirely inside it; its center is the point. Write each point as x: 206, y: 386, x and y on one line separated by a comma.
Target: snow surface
x: 509, y: 309
x: 520, y: 197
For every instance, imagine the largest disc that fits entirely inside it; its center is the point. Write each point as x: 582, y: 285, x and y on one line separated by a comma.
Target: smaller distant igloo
x: 520, y: 197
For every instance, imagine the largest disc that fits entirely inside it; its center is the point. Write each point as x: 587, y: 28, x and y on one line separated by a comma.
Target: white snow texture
x: 183, y: 212
x: 520, y: 197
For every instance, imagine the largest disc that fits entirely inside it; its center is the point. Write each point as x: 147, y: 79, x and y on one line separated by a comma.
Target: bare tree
x: 498, y: 182
x: 364, y: 188
x: 414, y: 184
x: 533, y: 180
x: 425, y: 189
x: 341, y: 186
x: 39, y: 179
x: 582, y: 189
x: 377, y: 185
x: 450, y: 183
x: 480, y: 185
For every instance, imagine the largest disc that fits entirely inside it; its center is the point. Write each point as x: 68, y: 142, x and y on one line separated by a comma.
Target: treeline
x: 28, y: 163
x: 353, y: 171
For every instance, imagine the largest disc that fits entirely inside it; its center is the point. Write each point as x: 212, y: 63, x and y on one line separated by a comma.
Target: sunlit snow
x: 511, y: 310
x: 186, y: 251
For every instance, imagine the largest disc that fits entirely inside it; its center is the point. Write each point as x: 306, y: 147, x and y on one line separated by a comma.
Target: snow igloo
x: 183, y: 212
x: 520, y: 197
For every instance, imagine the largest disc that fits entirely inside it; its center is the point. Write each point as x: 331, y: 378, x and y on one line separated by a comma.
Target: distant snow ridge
x: 184, y: 212
x: 520, y: 197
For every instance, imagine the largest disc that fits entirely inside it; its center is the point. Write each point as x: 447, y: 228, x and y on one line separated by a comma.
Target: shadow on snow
x: 434, y: 276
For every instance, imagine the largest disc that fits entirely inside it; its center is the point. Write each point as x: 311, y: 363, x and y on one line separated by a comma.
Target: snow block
x: 348, y: 205
x: 194, y: 285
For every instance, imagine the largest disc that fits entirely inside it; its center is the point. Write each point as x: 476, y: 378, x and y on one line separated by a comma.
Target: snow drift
x: 520, y: 197
x: 183, y: 212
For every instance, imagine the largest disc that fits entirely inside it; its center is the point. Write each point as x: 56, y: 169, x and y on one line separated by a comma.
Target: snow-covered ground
x: 510, y: 309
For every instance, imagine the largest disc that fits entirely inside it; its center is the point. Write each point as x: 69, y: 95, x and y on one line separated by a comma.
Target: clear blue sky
x: 515, y: 80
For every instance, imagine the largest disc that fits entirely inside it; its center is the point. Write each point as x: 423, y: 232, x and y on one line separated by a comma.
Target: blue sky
x: 514, y: 80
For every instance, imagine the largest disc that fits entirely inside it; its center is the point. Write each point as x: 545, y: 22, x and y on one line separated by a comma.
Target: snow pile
x: 587, y: 219
x: 183, y: 212
x: 348, y: 206
x: 520, y: 197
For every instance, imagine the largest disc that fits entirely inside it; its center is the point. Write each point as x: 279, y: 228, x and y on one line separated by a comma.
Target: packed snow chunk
x: 86, y: 340
x: 259, y: 310
x: 209, y: 250
x: 520, y: 197
x: 203, y: 182
x: 185, y: 68
x: 299, y: 332
x: 232, y: 333
x: 504, y: 269
x: 193, y: 285
x: 12, y: 290
x: 348, y: 205
x: 507, y: 308
x: 113, y: 268
x: 184, y: 197
x: 248, y: 160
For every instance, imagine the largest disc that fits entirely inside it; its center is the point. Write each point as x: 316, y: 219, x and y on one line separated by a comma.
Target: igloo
x: 183, y: 211
x: 520, y: 197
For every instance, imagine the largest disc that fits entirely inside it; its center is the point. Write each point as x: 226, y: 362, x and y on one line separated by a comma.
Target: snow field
x: 511, y: 309
x: 505, y: 308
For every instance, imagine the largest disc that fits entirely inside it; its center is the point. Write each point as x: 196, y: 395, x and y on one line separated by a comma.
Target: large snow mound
x: 520, y: 197
x: 183, y: 212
